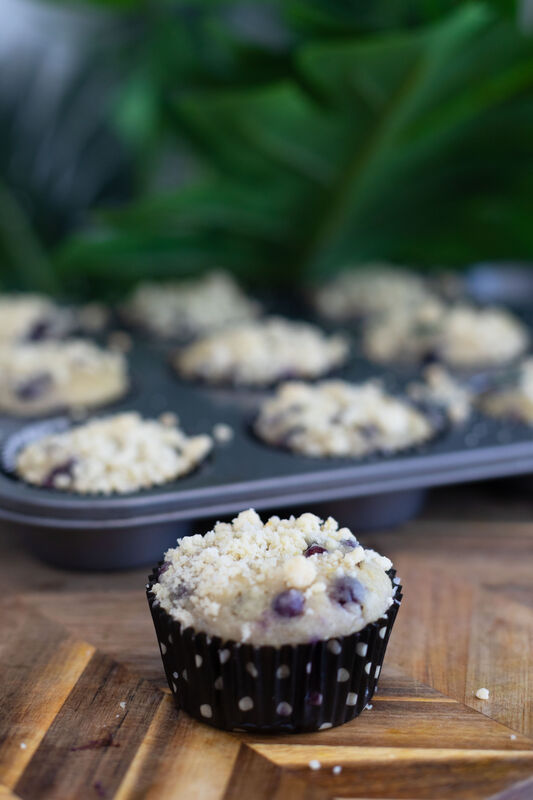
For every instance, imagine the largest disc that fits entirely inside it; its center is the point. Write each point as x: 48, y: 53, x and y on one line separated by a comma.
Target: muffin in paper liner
x: 304, y: 687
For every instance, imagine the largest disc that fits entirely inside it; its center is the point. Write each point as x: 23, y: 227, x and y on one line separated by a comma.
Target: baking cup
x: 305, y: 687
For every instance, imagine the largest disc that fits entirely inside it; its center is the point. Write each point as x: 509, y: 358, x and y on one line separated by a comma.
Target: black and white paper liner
x: 306, y: 687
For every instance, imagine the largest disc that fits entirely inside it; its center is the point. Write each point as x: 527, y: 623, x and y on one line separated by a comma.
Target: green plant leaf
x: 216, y: 205
x: 20, y: 248
x: 409, y: 144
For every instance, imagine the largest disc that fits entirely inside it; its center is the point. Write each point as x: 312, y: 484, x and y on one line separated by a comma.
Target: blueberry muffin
x: 185, y: 309
x: 371, y: 289
x: 460, y: 336
x: 42, y: 377
x: 275, y: 626
x: 113, y: 455
x: 336, y: 418
x: 511, y: 397
x: 32, y: 317
x: 262, y: 353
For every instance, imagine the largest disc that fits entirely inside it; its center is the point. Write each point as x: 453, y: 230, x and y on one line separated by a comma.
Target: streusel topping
x: 261, y: 353
x: 371, y: 289
x: 460, y: 336
x: 441, y: 389
x: 336, y: 418
x: 183, y: 309
x: 283, y: 582
x: 118, y: 454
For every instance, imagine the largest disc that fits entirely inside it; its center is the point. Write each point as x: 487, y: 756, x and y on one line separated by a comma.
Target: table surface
x: 85, y: 712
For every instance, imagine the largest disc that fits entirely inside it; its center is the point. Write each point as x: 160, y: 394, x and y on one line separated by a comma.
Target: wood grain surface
x: 85, y: 712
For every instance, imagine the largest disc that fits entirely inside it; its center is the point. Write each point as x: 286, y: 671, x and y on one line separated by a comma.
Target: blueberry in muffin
x: 46, y: 376
x: 32, y: 318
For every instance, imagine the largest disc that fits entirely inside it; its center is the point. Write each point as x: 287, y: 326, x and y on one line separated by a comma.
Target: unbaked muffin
x: 262, y: 353
x: 371, y: 289
x: 461, y: 336
x: 337, y: 418
x: 185, y: 309
x: 512, y: 397
x: 275, y: 626
x: 32, y: 317
x: 117, y: 454
x: 42, y: 377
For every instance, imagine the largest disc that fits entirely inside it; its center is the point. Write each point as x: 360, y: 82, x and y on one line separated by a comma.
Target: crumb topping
x: 260, y: 353
x: 48, y: 375
x: 441, y: 389
x: 118, y: 454
x: 223, y: 433
x: 31, y: 317
x: 371, y: 289
x: 482, y: 336
x: 336, y: 418
x: 187, y: 308
x: 461, y: 336
x: 286, y: 581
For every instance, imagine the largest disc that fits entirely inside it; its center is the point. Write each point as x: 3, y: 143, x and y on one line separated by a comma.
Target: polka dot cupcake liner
x: 293, y: 688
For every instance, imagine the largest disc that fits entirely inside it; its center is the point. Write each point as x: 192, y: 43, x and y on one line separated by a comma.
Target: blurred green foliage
x: 284, y: 139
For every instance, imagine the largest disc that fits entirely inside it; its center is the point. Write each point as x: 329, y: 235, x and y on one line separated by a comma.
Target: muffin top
x: 62, y: 358
x: 461, y: 336
x: 287, y: 581
x: 116, y: 454
x: 336, y: 418
x: 261, y: 353
x: 47, y: 375
x: 371, y: 289
x: 31, y: 317
x: 183, y: 309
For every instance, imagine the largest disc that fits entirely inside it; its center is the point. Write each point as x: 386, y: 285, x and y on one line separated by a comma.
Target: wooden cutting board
x: 85, y: 713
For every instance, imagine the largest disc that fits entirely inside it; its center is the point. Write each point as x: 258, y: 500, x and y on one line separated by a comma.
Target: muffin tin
x: 124, y: 531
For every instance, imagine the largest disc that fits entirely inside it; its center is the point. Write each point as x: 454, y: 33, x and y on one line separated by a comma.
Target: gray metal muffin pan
x: 124, y: 531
